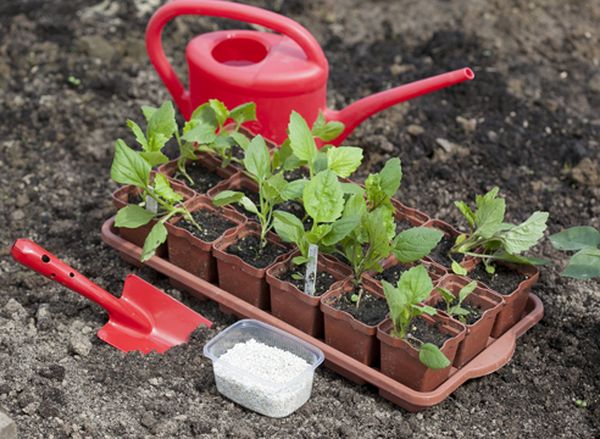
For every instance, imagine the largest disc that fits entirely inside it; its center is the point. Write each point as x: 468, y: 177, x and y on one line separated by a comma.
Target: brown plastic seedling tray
x: 497, y: 353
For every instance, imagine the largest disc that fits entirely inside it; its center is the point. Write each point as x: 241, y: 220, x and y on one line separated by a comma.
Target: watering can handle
x: 223, y: 9
x: 31, y: 255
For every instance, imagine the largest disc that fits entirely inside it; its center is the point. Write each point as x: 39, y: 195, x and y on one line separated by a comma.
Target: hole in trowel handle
x: 45, y: 259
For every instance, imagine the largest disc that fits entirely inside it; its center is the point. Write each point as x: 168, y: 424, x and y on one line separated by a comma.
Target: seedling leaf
x: 163, y: 189
x: 301, y: 139
x: 244, y: 113
x: 415, y: 243
x: 432, y: 357
x: 157, y: 235
x: 133, y: 216
x: 576, y: 238
x: 344, y: 160
x: 256, y: 159
x: 525, y: 235
x: 585, y: 264
x: 128, y: 167
x: 323, y: 197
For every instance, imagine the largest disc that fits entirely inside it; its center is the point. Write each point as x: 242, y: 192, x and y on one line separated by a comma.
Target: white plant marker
x: 151, y: 204
x: 310, y: 277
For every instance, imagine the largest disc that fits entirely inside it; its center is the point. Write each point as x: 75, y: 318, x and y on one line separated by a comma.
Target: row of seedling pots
x: 258, y: 220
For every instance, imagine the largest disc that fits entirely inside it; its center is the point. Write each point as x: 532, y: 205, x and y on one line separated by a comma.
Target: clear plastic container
x: 239, y: 384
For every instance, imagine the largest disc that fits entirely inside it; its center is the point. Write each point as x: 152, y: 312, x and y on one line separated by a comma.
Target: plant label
x: 151, y: 204
x: 310, y: 277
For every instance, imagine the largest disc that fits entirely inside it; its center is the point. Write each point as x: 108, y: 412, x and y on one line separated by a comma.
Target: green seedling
x: 492, y: 239
x: 374, y: 238
x: 300, y: 148
x: 404, y: 302
x: 585, y: 242
x: 454, y: 304
x: 130, y: 167
x: 273, y: 189
x: 323, y: 200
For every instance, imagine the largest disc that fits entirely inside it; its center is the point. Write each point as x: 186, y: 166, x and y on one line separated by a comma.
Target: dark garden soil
x: 248, y: 249
x: 504, y: 280
x: 213, y: 225
x: 371, y: 311
x: 73, y: 71
x: 426, y: 333
x: 202, y: 177
x: 402, y: 225
x: 440, y: 253
x: 392, y: 274
x: 323, y: 281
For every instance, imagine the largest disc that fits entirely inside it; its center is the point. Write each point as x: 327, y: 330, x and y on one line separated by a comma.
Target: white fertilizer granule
x: 259, y: 378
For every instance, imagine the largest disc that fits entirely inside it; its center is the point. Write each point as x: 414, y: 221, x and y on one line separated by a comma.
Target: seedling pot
x: 236, y: 182
x: 467, y: 262
x: 400, y: 360
x: 404, y: 213
x: 435, y: 271
x: 211, y: 163
x: 347, y: 334
x: 120, y: 199
x: 295, y: 307
x: 194, y: 254
x: 237, y: 276
x: 515, y: 302
x: 478, y: 333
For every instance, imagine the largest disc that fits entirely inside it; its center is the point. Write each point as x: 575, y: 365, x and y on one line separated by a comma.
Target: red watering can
x: 279, y: 72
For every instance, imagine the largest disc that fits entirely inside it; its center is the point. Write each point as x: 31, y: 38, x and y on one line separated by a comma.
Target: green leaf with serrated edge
x: 163, y: 189
x: 161, y: 126
x: 294, y: 190
x: 576, y: 238
x: 391, y: 176
x: 415, y: 243
x: 133, y: 216
x: 585, y: 264
x: 374, y: 193
x: 300, y: 260
x: 340, y: 229
x: 240, y: 139
x: 446, y: 295
x: 148, y: 111
x: 243, y: 113
x: 327, y: 131
x: 157, y: 236
x: 140, y: 137
x: 490, y: 213
x: 352, y: 188
x: 221, y: 111
x: 467, y: 212
x: 396, y: 301
x: 273, y: 188
x: 525, y: 235
x: 458, y: 269
x: 355, y: 205
x: 378, y: 242
x: 202, y: 133
x: 316, y: 234
x: 320, y: 162
x: 466, y: 290
x: 416, y: 283
x: 154, y: 158
x: 128, y: 167
x: 187, y: 151
x: 301, y: 139
x: 288, y: 226
x: 323, y: 197
x: 227, y: 197
x: 344, y: 160
x: 432, y: 357
x: 256, y: 159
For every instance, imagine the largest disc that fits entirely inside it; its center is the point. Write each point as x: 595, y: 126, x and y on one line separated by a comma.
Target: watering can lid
x: 280, y: 67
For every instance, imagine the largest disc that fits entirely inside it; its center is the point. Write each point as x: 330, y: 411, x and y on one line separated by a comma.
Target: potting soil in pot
x: 262, y: 386
x: 504, y: 280
x: 203, y: 178
x: 213, y: 225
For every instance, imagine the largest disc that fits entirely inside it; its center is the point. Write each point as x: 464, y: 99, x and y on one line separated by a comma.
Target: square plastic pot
x: 347, y: 334
x: 400, y: 360
x: 435, y: 271
x: 404, y: 213
x: 478, y: 333
x: 237, y: 182
x: 295, y: 307
x: 191, y: 253
x: 137, y: 236
x: 515, y: 302
x: 237, y: 276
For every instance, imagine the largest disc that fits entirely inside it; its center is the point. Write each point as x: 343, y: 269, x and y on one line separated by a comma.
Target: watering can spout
x: 360, y: 110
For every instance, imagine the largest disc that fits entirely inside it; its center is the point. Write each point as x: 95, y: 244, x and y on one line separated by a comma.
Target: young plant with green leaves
x: 273, y: 189
x: 205, y: 131
x: 454, y: 303
x: 130, y: 167
x: 323, y: 200
x: 375, y: 238
x: 300, y: 148
x: 492, y: 239
x: 585, y: 242
x: 405, y: 304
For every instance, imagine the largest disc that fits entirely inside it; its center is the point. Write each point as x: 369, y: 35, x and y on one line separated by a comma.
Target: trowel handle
x: 223, y: 9
x: 31, y: 255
